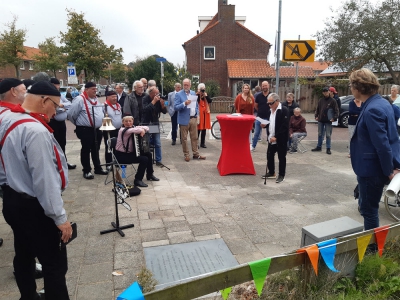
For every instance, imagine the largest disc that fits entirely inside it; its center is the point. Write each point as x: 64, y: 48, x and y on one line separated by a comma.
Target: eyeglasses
x: 271, y: 103
x: 55, y: 104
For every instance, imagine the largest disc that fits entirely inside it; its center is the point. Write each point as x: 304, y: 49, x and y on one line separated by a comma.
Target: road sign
x: 299, y: 50
x: 160, y: 59
x: 72, y: 79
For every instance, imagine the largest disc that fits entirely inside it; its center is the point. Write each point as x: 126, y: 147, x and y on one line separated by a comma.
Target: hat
x: 44, y: 88
x: 8, y: 83
x: 54, y: 80
x: 325, y: 89
x: 89, y: 85
x: 28, y: 82
x: 332, y: 89
x: 110, y: 93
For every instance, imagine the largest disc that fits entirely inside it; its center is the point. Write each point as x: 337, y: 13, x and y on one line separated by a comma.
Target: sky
x: 143, y: 28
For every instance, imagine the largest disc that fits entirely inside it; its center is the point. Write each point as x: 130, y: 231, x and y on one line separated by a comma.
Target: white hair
x: 201, y: 86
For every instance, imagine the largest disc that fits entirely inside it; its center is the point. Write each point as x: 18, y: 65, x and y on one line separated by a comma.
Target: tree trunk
x: 395, y: 78
x: 17, y: 74
x: 55, y: 73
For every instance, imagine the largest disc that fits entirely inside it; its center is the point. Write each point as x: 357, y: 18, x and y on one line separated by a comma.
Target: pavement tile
x: 151, y: 223
x: 181, y: 237
x: 96, y: 273
x: 98, y: 291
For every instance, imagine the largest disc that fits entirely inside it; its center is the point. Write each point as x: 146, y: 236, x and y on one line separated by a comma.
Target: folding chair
x: 113, y: 144
x: 300, y: 146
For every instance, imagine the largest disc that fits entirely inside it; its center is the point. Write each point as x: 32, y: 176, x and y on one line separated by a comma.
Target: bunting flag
x: 328, y: 251
x: 362, y: 244
x: 225, y: 293
x: 313, y: 255
x: 133, y: 292
x: 380, y: 237
x: 259, y: 270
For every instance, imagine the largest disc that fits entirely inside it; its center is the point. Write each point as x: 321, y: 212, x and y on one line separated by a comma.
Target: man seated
x: 297, y: 129
x: 125, y: 152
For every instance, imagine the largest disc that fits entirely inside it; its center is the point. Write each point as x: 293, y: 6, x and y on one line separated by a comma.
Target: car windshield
x: 63, y: 89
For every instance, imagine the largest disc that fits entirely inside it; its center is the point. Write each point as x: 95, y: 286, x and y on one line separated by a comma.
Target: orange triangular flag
x: 313, y: 255
x: 362, y: 244
x: 380, y: 237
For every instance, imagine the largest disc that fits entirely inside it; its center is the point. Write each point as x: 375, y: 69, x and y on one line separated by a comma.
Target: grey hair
x: 274, y: 97
x: 297, y: 109
x: 41, y: 76
x: 201, y: 85
x: 187, y: 79
x: 177, y: 84
x: 151, y: 83
x: 3, y: 96
x: 118, y: 85
x: 395, y: 86
x: 135, y: 84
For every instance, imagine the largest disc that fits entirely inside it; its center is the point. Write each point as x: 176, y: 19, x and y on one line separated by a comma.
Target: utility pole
x: 278, y: 49
x: 296, y: 79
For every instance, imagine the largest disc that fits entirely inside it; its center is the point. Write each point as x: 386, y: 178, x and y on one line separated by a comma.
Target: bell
x: 107, y: 124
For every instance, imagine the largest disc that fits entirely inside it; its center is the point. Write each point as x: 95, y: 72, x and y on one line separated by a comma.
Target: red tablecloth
x: 235, y: 154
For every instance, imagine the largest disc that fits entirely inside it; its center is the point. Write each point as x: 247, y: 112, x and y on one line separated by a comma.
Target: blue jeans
x: 324, y: 128
x: 370, y: 189
x: 257, y: 133
x: 155, y: 140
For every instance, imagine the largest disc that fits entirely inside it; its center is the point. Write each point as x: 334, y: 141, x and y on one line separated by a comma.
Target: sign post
x: 72, y: 78
x: 162, y: 60
x: 299, y: 50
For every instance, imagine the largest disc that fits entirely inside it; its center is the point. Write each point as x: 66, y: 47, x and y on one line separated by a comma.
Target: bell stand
x: 107, y: 126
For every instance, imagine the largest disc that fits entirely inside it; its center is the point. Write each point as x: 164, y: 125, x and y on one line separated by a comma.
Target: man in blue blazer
x: 187, y: 120
x: 375, y: 148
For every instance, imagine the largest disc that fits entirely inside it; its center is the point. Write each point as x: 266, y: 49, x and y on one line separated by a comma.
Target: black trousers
x: 60, y: 132
x: 202, y: 137
x: 90, y: 147
x: 281, y: 148
x: 113, y: 133
x: 174, y: 122
x: 145, y: 162
x: 35, y: 235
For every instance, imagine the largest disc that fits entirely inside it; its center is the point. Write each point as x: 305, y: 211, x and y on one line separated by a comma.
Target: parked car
x: 101, y: 91
x: 74, y: 91
x: 344, y: 110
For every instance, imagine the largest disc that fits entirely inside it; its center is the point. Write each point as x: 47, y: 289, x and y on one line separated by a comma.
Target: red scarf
x: 42, y: 118
x: 86, y: 97
x: 8, y: 104
x: 114, y: 109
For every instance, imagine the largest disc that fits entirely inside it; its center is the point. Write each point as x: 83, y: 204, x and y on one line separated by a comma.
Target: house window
x: 22, y: 65
x: 31, y: 65
x: 59, y: 71
x: 252, y: 82
x: 209, y: 52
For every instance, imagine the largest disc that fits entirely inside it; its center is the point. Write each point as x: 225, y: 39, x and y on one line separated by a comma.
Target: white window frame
x: 30, y: 65
x: 22, y: 65
x: 204, y: 53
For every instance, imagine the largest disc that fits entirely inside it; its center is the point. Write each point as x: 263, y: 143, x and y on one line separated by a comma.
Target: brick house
x: 224, y: 40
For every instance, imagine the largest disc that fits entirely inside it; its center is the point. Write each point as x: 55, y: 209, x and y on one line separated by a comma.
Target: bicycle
x: 215, y: 127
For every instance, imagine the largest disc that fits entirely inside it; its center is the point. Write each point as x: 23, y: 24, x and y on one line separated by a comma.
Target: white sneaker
x: 252, y: 149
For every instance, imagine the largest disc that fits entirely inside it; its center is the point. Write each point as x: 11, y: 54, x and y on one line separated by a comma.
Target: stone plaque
x: 177, y: 263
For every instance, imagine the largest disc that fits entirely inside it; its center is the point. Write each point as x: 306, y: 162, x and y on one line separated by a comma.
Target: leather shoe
x: 140, y: 183
x: 100, y: 172
x: 328, y: 151
x: 187, y: 158
x: 173, y: 143
x: 71, y: 167
x: 199, y: 157
x: 203, y: 146
x: 152, y: 178
x: 88, y: 175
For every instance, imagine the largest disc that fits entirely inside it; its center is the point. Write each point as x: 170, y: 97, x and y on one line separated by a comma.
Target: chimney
x: 226, y: 13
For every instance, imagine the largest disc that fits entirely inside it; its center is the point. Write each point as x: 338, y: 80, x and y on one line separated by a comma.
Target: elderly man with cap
x: 57, y: 122
x: 87, y: 128
x: 12, y: 92
x: 113, y: 110
x: 36, y: 174
x: 327, y: 112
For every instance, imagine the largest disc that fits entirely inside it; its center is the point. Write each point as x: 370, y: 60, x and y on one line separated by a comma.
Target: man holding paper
x: 188, y: 110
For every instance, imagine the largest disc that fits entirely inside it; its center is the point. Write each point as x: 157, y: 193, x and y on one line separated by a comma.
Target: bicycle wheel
x: 392, y: 205
x: 216, y: 130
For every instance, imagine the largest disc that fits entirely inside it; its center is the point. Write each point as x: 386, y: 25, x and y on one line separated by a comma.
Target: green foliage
x: 117, y: 71
x: 86, y: 49
x: 212, y: 88
x: 12, y: 46
x: 362, y: 33
x: 50, y: 58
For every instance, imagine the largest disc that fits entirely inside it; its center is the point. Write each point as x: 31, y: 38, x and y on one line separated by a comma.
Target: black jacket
x: 151, y: 112
x: 121, y: 101
x: 281, y: 125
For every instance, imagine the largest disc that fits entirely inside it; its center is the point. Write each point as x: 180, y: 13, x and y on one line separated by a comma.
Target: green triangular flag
x: 259, y: 269
x: 225, y: 293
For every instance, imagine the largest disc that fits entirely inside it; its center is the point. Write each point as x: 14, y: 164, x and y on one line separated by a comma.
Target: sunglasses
x: 271, y: 103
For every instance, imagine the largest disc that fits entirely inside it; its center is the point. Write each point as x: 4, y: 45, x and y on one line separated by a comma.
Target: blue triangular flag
x: 328, y: 251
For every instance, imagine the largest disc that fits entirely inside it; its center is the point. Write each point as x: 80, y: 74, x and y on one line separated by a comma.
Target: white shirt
x: 272, y: 123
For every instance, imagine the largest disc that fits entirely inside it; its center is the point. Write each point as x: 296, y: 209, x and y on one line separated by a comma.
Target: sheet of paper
x: 262, y: 121
x: 192, y: 104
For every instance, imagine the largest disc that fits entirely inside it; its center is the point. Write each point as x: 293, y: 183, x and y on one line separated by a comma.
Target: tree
x: 363, y: 34
x: 50, y: 58
x: 12, y: 46
x: 86, y: 49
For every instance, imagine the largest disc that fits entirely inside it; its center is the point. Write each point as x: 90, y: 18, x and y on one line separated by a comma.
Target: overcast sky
x: 160, y: 27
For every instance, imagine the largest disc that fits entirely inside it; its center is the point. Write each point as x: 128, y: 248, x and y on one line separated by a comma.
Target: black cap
x: 325, y: 89
x: 44, y: 88
x: 110, y: 93
x: 28, y: 82
x: 7, y: 83
x: 54, y: 80
x: 89, y: 85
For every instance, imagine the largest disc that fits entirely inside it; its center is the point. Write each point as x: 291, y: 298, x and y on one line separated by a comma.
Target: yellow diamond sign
x: 299, y: 50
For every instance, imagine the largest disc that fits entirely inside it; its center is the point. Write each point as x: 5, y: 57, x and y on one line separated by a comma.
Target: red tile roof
x: 30, y: 53
x: 315, y: 65
x: 290, y: 72
x: 249, y: 68
x: 212, y: 22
